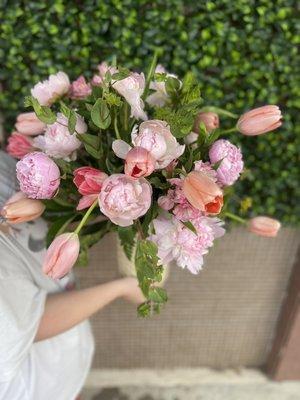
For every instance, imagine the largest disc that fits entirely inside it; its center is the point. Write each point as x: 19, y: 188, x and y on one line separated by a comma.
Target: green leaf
x: 44, y: 114
x: 172, y: 85
x: 113, y: 99
x: 91, y: 140
x: 121, y: 74
x: 58, y: 227
x: 190, y: 226
x: 158, y: 295
x: 100, y: 114
x: 219, y: 111
x: 144, y: 309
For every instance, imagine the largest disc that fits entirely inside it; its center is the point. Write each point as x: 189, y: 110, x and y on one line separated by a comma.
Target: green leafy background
x: 244, y: 52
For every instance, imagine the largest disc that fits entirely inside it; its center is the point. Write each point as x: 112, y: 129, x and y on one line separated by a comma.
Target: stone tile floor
x: 196, y: 385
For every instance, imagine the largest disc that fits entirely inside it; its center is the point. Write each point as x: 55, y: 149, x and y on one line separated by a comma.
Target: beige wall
x: 224, y: 317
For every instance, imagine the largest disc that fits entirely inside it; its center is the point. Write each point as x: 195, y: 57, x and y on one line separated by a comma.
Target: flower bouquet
x: 141, y: 156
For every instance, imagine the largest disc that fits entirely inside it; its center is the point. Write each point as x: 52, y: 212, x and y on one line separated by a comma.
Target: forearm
x: 67, y: 309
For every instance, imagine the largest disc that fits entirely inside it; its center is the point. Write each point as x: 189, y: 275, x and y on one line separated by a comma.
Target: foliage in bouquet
x: 141, y: 156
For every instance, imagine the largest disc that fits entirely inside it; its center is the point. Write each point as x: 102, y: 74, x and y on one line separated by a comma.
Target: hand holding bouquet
x: 143, y: 157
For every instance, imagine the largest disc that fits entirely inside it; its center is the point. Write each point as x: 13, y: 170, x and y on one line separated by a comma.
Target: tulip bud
x: 29, y: 124
x: 210, y: 120
x: 202, y: 192
x: 264, y: 226
x: 61, y: 255
x: 20, y: 209
x: 139, y: 162
x: 260, y: 120
x: 19, y: 145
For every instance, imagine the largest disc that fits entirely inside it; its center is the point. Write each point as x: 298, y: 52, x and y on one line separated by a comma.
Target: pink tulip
x: 264, y: 226
x: 80, y: 89
x: 19, y: 145
x: 29, y: 124
x: 61, y: 255
x: 86, y: 201
x: 260, y: 120
x: 20, y: 209
x: 38, y: 175
x: 202, y: 192
x: 139, y: 162
x: 210, y: 120
x: 89, y: 180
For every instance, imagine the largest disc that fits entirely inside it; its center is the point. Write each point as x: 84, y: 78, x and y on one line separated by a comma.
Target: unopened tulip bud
x: 264, y: 226
x: 210, y: 120
x: 61, y: 255
x: 139, y: 162
x: 20, y: 209
x: 29, y: 124
x: 202, y: 192
x: 260, y: 120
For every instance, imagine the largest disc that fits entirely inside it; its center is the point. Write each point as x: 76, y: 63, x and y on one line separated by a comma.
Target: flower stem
x: 229, y: 130
x: 235, y: 218
x: 86, y: 216
x: 151, y: 72
x: 116, y: 127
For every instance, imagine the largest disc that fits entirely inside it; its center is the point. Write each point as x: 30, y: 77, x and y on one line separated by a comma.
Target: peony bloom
x: 29, y: 124
x: 231, y: 160
x: 160, y: 95
x: 202, y: 192
x: 132, y: 88
x: 260, y: 120
x: 19, y: 145
x: 206, y: 168
x: 20, y: 209
x: 103, y: 68
x: 210, y: 120
x: 58, y: 142
x: 48, y: 91
x: 264, y: 226
x: 38, y: 175
x: 61, y: 255
x: 89, y: 180
x: 156, y: 137
x: 139, y: 162
x: 177, y: 243
x: 123, y: 199
x: 80, y: 89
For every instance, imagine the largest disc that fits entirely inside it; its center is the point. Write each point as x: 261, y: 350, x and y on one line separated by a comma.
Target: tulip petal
x: 120, y: 148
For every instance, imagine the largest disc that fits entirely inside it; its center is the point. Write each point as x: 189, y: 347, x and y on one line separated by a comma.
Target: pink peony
x: 177, y: 243
x: 80, y: 89
x: 123, y: 199
x: 19, y: 145
x: 58, y: 142
x: 132, y: 88
x: 139, y: 162
x: 38, y: 175
x: 160, y: 96
x: 48, y: 91
x: 29, y: 124
x: 156, y: 137
x: 232, y: 161
x: 103, y: 68
x: 206, y: 168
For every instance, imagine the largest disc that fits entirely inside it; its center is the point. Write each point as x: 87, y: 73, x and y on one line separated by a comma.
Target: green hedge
x: 244, y: 52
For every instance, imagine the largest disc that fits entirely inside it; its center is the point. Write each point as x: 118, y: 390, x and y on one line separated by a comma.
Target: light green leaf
x: 100, y: 114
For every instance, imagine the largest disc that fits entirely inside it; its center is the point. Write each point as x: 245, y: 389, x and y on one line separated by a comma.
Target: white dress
x: 52, y: 369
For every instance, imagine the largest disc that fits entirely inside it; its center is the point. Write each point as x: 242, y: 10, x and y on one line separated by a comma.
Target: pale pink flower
x: 132, y: 88
x: 61, y: 255
x: 231, y: 160
x: 86, y: 201
x: 58, y: 142
x: 123, y: 199
x: 260, y: 120
x: 206, y: 168
x: 264, y: 226
x: 160, y: 96
x: 177, y: 243
x: 48, y: 91
x: 19, y: 208
x: 80, y: 89
x: 156, y: 137
x: 29, y: 124
x: 19, y: 145
x: 139, y: 162
x: 210, y: 120
x: 103, y: 68
x: 38, y: 175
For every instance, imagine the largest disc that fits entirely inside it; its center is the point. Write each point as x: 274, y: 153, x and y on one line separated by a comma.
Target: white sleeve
x: 21, y: 307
